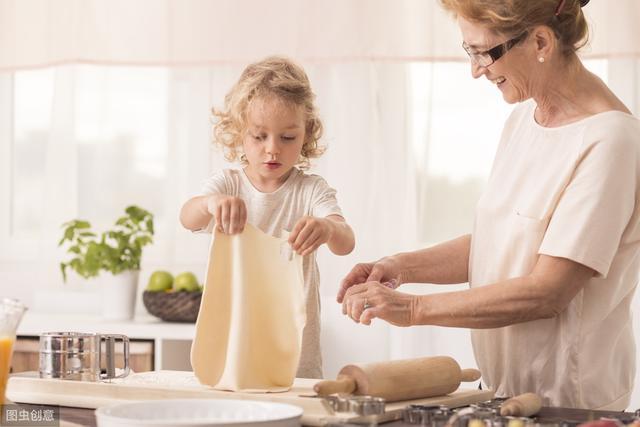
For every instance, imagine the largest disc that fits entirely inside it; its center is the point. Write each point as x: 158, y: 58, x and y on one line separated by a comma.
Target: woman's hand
x: 229, y: 212
x: 309, y: 233
x: 366, y: 301
x: 385, y: 270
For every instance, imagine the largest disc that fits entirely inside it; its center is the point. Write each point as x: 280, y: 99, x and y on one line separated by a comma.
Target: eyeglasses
x: 488, y: 57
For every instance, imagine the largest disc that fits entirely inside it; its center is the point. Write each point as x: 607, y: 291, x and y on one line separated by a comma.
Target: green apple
x: 160, y: 281
x: 186, y: 281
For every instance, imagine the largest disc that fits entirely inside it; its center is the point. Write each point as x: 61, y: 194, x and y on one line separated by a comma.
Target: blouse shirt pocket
x: 528, y: 234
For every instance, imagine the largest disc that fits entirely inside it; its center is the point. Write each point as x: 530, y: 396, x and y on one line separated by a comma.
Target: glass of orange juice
x: 11, y: 312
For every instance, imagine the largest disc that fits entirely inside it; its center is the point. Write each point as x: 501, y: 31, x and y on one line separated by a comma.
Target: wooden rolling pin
x: 400, y: 379
x: 523, y: 405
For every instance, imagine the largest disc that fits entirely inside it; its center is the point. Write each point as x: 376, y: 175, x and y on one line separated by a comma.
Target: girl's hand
x: 385, y: 271
x: 229, y: 212
x: 369, y: 300
x: 309, y: 233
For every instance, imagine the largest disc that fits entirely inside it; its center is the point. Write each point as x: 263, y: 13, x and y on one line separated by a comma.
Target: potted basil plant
x: 113, y: 257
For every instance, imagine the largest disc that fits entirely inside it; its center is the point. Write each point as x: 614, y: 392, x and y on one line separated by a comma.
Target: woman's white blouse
x: 569, y: 192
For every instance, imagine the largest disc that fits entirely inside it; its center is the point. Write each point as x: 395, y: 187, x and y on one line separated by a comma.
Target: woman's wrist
x: 414, y: 310
x: 398, y: 262
x: 419, y: 310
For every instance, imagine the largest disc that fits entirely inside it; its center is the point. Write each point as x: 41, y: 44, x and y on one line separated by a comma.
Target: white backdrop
x: 35, y: 33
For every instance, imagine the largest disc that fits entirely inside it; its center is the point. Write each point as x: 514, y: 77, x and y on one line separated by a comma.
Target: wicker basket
x: 173, y: 306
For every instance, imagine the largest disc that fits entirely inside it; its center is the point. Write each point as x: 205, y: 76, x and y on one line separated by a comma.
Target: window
x: 32, y: 101
x: 103, y: 138
x: 456, y: 123
x: 104, y: 135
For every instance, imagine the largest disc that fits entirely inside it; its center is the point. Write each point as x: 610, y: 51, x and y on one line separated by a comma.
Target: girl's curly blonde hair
x: 273, y: 76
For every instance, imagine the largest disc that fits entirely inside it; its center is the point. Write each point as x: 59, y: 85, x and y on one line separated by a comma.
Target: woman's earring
x: 541, y: 59
x: 243, y: 158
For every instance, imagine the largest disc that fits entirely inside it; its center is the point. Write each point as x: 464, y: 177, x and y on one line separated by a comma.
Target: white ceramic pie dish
x: 198, y: 413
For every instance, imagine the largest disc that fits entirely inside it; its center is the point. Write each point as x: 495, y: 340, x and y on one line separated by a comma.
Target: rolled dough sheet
x: 249, y: 328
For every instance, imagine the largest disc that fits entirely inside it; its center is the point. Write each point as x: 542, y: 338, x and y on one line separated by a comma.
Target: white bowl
x: 198, y: 413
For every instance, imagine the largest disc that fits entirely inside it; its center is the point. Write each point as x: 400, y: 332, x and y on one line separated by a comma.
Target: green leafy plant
x: 117, y: 250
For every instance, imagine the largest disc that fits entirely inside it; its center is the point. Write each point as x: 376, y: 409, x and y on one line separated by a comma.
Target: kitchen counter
x: 141, y: 327
x: 172, y: 341
x: 27, y: 387
x: 86, y: 417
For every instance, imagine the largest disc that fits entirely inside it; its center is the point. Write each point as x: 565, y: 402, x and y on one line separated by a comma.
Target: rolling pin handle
x: 469, y: 375
x: 524, y: 405
x: 343, y: 384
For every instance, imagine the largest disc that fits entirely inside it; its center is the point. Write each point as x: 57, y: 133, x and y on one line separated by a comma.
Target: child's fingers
x: 303, y: 235
x: 243, y: 216
x: 312, y: 246
x: 296, y: 230
x: 225, y: 214
x: 218, y: 214
x: 234, y: 218
x: 311, y: 238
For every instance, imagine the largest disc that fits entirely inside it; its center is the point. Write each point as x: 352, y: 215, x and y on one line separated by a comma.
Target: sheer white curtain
x: 35, y: 33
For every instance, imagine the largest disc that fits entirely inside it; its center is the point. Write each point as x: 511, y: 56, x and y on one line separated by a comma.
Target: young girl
x: 271, y: 125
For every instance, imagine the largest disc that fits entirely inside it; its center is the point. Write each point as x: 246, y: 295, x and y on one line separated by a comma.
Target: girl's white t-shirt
x: 569, y: 192
x: 300, y: 195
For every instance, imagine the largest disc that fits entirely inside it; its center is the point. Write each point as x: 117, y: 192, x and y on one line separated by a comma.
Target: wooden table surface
x: 86, y: 417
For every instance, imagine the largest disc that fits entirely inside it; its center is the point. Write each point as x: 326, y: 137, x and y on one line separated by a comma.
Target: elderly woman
x: 553, y: 259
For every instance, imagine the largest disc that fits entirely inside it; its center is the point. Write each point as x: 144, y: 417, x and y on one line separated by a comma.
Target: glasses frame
x: 489, y: 56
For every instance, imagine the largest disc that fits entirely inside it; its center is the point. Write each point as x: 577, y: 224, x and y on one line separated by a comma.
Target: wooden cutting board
x: 29, y: 388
